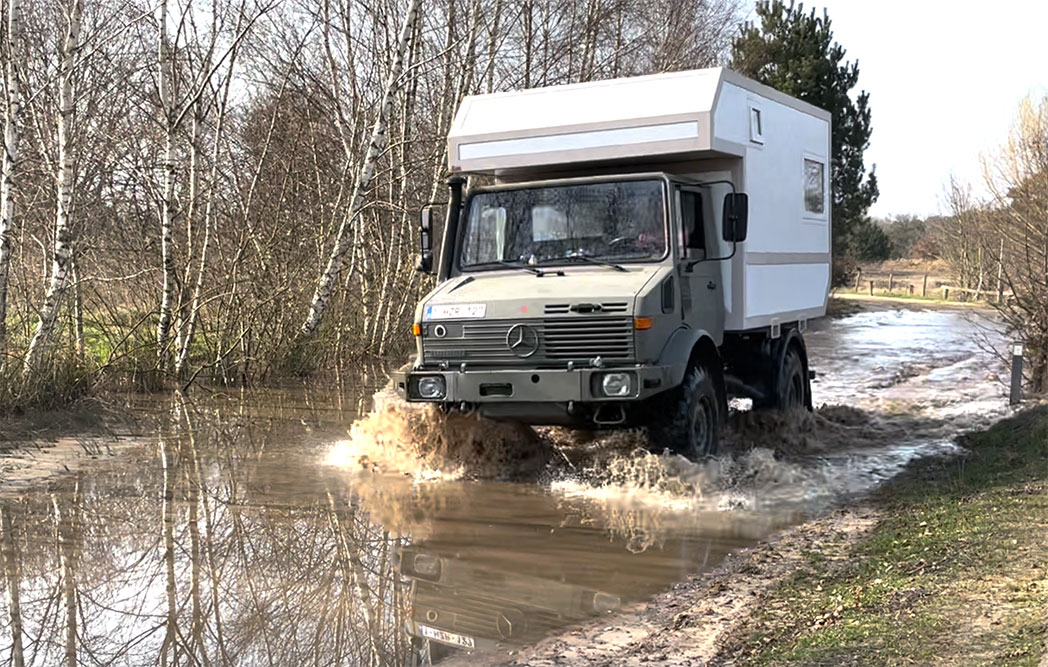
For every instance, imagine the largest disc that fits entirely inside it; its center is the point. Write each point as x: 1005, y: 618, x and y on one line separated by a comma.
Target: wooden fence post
x: 891, y: 282
x: 924, y: 286
x: 945, y: 293
x: 858, y: 279
x: 871, y: 288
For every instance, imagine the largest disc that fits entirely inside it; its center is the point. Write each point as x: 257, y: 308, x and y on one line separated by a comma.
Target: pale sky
x: 945, y: 79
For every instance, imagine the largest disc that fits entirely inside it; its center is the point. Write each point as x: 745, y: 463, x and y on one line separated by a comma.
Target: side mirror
x: 736, y: 212
x: 425, y: 228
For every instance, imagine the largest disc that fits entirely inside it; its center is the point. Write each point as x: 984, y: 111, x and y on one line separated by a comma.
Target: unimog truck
x: 624, y: 253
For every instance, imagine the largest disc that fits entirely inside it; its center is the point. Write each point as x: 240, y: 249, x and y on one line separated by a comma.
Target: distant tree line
x: 227, y: 190
x: 896, y: 237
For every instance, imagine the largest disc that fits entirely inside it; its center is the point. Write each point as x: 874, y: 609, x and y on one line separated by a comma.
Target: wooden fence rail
x: 902, y: 287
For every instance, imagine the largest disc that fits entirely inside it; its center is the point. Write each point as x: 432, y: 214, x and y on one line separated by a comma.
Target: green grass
x: 955, y: 572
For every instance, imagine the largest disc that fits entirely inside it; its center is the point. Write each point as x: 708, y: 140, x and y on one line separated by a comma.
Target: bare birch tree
x: 244, y: 175
x: 329, y: 278
x: 1006, y: 236
x: 12, y: 134
x: 65, y: 187
x: 171, y: 121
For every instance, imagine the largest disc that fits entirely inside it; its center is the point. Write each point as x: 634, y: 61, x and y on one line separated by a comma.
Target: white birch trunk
x: 181, y: 315
x: 329, y: 278
x: 397, y: 192
x: 198, y: 285
x: 60, y: 264
x: 12, y: 134
x: 167, y: 207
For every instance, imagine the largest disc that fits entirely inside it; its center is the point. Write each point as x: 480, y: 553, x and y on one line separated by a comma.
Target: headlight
x: 616, y: 384
x: 431, y: 387
x: 426, y: 565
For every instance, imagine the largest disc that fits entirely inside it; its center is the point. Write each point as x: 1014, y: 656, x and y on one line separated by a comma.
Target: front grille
x: 603, y: 308
x: 560, y: 340
x: 467, y: 612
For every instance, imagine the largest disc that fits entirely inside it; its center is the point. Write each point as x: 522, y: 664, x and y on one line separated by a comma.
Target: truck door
x: 702, y: 301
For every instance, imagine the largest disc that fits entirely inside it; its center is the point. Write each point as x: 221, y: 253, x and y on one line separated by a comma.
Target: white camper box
x: 705, y: 124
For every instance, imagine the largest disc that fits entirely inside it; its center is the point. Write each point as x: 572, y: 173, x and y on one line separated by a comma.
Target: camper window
x: 756, y: 126
x: 814, y: 187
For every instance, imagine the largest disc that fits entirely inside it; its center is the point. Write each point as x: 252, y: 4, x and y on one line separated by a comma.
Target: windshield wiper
x: 595, y: 260
x: 523, y: 267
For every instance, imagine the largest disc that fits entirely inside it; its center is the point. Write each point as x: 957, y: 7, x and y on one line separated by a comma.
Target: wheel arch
x: 692, y: 345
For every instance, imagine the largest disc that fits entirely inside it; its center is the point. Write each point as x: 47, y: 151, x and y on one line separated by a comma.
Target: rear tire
x: 793, y: 385
x: 687, y: 420
x: 790, y: 386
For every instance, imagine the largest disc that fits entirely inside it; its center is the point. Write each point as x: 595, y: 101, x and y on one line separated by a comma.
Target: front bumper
x: 531, y: 394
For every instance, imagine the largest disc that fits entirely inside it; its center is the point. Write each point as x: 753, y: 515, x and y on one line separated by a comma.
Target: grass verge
x: 955, y: 572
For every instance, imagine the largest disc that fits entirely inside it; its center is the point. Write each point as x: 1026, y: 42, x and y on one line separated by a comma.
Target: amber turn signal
x: 643, y: 323
x: 416, y: 329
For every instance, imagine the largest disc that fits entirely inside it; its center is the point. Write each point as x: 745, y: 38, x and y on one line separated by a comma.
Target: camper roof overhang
x: 663, y: 116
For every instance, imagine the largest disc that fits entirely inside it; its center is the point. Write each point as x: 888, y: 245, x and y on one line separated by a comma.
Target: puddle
x: 277, y: 528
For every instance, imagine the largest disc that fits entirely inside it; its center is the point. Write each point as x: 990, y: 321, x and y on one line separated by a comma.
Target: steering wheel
x: 619, y: 240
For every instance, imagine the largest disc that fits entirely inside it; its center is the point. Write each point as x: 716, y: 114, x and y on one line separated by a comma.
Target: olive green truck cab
x: 640, y: 251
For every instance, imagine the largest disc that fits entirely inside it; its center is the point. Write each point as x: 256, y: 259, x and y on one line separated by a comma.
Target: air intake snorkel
x: 447, y: 249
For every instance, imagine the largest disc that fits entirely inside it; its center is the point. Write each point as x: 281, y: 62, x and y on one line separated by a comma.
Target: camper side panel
x: 782, y: 272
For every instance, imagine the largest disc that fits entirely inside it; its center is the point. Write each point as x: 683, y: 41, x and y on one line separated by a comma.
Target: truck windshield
x: 621, y: 221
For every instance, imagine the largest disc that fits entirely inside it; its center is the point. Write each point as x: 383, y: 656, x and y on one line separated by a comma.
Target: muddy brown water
x: 279, y: 528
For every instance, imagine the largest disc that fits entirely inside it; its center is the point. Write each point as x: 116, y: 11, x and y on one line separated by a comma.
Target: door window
x: 691, y: 220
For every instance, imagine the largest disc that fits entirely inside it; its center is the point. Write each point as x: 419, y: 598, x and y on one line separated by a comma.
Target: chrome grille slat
x: 577, y: 338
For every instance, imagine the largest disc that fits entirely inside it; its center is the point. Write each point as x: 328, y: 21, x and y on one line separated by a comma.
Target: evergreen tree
x: 794, y: 52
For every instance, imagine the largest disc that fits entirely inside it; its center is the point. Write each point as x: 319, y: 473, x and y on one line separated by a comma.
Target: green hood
x: 516, y: 293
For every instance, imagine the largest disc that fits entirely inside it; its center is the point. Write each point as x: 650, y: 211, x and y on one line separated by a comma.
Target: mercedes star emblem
x: 522, y: 340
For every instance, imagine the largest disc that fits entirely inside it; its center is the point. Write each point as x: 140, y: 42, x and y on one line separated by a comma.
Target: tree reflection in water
x: 193, y: 551
x: 223, y: 539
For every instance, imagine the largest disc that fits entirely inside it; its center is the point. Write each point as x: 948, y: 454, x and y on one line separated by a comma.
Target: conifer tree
x: 794, y: 52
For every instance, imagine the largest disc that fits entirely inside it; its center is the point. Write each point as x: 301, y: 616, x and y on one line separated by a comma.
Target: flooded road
x: 282, y: 529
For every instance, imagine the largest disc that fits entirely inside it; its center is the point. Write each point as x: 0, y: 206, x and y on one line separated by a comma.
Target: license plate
x: 446, y: 637
x: 465, y: 311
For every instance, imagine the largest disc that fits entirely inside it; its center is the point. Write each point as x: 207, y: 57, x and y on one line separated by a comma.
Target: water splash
x: 795, y: 461
x: 429, y: 444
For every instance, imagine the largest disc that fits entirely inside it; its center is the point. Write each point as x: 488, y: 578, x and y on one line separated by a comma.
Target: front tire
x: 687, y: 420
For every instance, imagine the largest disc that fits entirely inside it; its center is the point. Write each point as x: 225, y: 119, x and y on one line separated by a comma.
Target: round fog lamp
x: 616, y: 384
x: 431, y: 386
